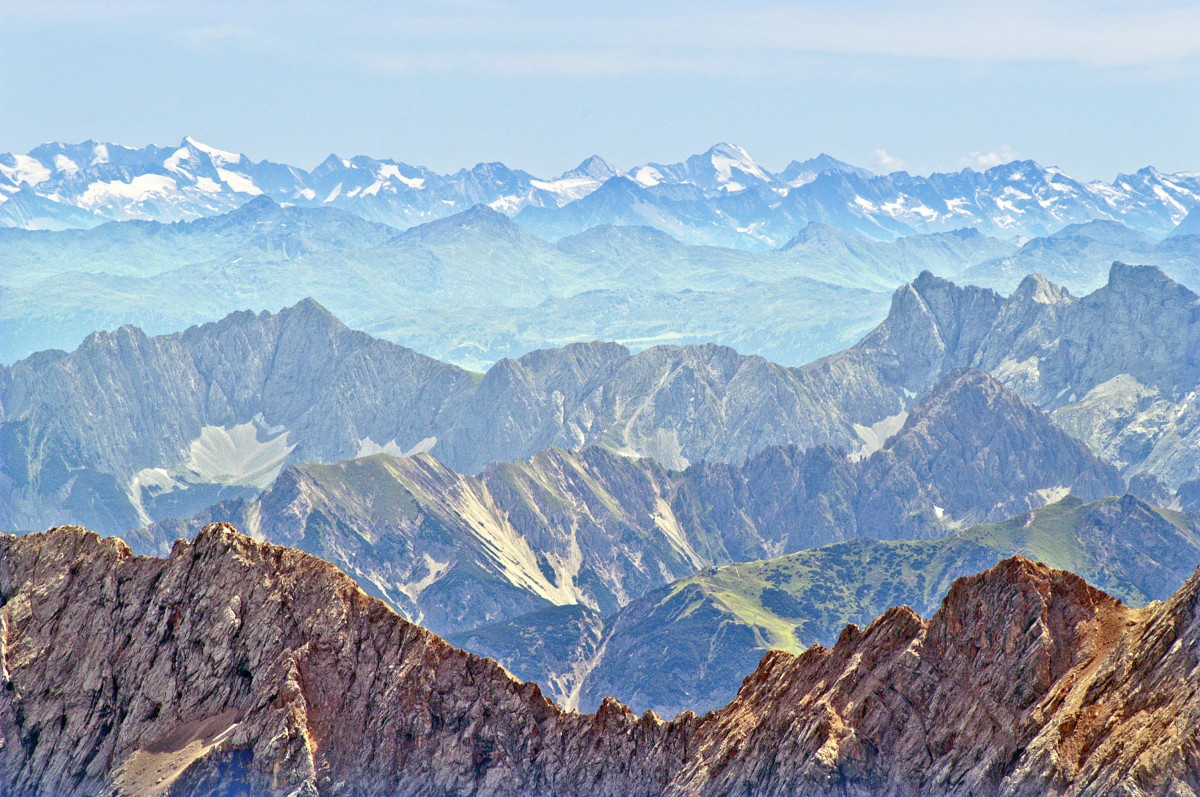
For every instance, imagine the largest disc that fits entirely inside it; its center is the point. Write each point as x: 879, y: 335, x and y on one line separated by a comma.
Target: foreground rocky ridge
x: 241, y: 665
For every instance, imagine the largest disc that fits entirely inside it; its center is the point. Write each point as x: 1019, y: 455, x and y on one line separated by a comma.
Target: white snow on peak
x: 208, y: 185
x: 392, y: 171
x: 139, y: 189
x: 648, y: 176
x: 27, y: 170
x: 727, y: 157
x: 99, y: 154
x: 172, y: 163
x: 219, y: 156
x: 65, y: 164
x: 238, y: 182
x: 567, y: 189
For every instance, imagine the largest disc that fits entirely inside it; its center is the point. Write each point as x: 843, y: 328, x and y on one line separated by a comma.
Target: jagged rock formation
x: 127, y: 427
x: 454, y: 551
x: 237, y: 666
x: 1118, y: 368
x: 225, y: 404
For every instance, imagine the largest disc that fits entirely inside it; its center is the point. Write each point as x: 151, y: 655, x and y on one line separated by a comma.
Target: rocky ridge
x: 456, y: 551
x: 272, y: 673
x: 687, y: 645
x: 208, y: 410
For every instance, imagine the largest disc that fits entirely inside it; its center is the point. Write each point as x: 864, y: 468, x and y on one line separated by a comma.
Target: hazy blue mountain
x: 1116, y: 368
x: 1079, y: 256
x: 26, y: 210
x: 1190, y: 225
x: 423, y: 287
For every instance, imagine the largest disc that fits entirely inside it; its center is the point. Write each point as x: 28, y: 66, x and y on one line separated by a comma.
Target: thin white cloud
x: 885, y: 161
x: 986, y: 159
x: 561, y: 63
x: 1092, y: 33
x: 211, y: 33
x: 625, y: 37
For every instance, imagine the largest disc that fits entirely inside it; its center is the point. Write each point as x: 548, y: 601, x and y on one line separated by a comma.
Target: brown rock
x: 241, y: 667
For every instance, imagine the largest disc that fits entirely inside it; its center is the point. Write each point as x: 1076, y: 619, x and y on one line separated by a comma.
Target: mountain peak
x: 816, y: 232
x: 477, y: 220
x: 258, y: 206
x: 1036, y: 288
x: 309, y: 309
x: 219, y: 156
x: 594, y: 167
x: 800, y: 172
x: 1188, y: 225
x: 1125, y: 277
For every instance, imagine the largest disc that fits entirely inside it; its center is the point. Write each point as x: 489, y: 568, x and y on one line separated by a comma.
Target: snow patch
x: 65, y: 164
x: 219, y: 156
x: 27, y: 170
x: 874, y: 436
x: 139, y: 189
x: 648, y: 176
x: 238, y: 182
x: 368, y: 447
x: 1052, y: 495
x: 389, y: 170
x: 234, y: 456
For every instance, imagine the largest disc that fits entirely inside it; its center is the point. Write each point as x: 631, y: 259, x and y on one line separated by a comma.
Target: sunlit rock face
x: 237, y: 666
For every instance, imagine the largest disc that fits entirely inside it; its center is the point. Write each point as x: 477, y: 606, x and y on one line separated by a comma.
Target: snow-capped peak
x: 219, y: 156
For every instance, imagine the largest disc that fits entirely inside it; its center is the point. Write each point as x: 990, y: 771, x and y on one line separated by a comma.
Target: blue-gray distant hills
x: 476, y: 287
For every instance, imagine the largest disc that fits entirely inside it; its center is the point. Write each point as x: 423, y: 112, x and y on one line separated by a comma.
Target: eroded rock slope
x: 242, y: 666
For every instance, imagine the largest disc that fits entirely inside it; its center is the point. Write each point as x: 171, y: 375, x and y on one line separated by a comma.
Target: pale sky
x: 1096, y: 87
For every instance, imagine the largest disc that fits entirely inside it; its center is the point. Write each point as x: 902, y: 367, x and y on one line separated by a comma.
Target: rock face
x: 121, y: 430
x: 455, y: 552
x: 129, y: 428
x: 241, y: 667
x: 1118, y: 368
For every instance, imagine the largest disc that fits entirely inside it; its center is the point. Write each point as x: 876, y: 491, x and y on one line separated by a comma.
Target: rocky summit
x: 235, y: 666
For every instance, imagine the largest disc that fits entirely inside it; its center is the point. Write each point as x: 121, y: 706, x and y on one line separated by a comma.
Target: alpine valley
x: 688, y: 478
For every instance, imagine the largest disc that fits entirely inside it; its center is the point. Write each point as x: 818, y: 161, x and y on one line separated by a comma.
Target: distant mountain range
x: 472, y: 288
x: 721, y: 196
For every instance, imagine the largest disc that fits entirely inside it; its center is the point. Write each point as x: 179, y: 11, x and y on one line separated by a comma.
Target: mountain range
x: 130, y: 428
x: 236, y: 665
x: 421, y: 287
x: 815, y: 295
x: 721, y: 196
x: 598, y: 528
